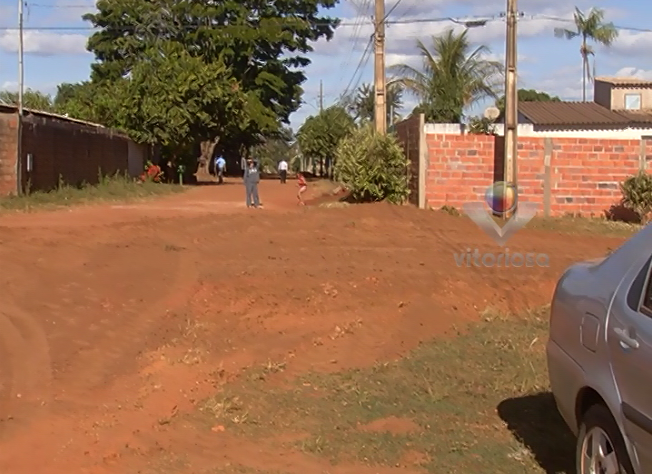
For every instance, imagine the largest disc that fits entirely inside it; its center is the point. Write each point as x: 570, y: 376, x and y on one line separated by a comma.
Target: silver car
x: 600, y: 358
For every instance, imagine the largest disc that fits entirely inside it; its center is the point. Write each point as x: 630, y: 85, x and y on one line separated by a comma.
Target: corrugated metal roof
x: 570, y: 113
x: 625, y: 81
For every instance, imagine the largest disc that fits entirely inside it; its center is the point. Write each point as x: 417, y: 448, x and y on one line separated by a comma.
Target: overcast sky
x: 545, y: 63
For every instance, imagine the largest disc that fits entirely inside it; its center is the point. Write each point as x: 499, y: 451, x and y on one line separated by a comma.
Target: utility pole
x: 380, y: 107
x: 321, y: 96
x: 21, y: 87
x: 511, y: 97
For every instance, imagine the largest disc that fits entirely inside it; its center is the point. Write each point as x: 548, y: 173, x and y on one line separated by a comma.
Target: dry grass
x: 480, y: 401
x: 111, y: 188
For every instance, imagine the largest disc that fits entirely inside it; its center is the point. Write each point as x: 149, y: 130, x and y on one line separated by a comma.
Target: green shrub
x: 637, y: 194
x: 372, y: 166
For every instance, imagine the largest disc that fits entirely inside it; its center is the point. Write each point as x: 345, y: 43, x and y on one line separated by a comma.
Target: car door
x: 629, y: 338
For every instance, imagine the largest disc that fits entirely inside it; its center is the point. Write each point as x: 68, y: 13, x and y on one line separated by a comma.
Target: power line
x: 461, y: 21
x: 364, y: 59
x: 356, y: 33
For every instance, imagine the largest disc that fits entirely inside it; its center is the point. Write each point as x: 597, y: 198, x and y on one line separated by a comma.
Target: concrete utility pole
x: 511, y: 97
x: 321, y: 96
x: 380, y: 105
x: 21, y: 87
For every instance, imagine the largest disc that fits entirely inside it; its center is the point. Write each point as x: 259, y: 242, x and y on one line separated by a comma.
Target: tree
x: 362, y: 106
x: 589, y: 27
x: 86, y: 101
x: 320, y: 135
x: 275, y: 149
x: 175, y: 99
x: 32, y: 99
x: 264, y: 45
x: 453, y: 77
x: 528, y: 95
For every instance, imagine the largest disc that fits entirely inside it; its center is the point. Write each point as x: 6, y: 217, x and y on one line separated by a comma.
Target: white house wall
x: 529, y: 130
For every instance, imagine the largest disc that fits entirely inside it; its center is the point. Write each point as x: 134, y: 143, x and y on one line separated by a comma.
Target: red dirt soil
x: 114, y: 318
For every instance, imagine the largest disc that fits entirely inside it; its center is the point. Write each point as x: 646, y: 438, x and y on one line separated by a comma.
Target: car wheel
x: 600, y: 446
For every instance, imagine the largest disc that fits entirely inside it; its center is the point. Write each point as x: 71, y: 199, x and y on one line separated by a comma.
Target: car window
x: 646, y: 300
x: 634, y: 294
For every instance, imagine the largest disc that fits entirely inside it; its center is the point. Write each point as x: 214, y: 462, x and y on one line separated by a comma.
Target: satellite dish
x: 491, y: 113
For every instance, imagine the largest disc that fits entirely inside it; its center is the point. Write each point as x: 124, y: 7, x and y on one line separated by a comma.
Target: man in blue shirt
x: 220, y: 167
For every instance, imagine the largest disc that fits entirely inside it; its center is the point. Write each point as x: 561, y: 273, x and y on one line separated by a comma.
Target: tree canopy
x: 320, y: 135
x: 31, y: 100
x: 453, y: 77
x: 528, y: 95
x: 262, y: 46
x: 362, y: 105
x: 590, y: 26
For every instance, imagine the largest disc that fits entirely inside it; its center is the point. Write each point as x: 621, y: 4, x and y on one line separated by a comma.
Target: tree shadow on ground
x: 535, y: 422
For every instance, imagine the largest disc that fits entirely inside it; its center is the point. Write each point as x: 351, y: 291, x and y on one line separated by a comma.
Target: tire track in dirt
x: 26, y: 357
x: 133, y: 333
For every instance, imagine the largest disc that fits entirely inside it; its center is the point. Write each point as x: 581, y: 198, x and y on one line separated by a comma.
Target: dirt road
x: 115, y: 319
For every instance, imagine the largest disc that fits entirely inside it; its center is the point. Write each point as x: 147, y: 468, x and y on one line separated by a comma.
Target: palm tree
x: 453, y: 77
x: 590, y: 26
x: 362, y: 106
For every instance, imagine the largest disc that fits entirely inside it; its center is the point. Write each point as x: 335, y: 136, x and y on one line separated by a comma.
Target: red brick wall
x: 8, y: 153
x: 75, y: 152
x: 583, y: 175
x: 408, y: 133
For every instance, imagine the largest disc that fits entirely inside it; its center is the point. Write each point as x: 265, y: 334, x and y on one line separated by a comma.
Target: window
x: 646, y: 300
x: 633, y: 101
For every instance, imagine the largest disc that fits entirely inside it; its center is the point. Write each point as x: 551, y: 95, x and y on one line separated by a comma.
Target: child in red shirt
x: 301, y: 182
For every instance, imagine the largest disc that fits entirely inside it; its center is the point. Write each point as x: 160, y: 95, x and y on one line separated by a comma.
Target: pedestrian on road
x: 303, y: 185
x: 283, y: 171
x: 220, y: 168
x: 251, y: 180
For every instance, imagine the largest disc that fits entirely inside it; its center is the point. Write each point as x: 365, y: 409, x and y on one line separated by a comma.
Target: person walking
x: 303, y: 186
x: 283, y: 171
x: 220, y: 168
x: 251, y: 180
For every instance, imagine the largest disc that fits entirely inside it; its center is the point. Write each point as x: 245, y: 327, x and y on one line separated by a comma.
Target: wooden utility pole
x: 511, y: 97
x: 380, y: 107
x: 321, y: 96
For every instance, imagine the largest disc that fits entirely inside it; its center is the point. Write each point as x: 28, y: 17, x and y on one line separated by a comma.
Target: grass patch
x: 474, y: 403
x: 110, y: 188
x: 585, y: 225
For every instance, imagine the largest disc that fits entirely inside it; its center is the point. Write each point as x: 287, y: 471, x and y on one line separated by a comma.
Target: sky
x: 55, y: 44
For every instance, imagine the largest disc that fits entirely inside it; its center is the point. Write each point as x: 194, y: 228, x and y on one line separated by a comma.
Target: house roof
x: 12, y: 109
x: 580, y: 113
x: 625, y: 81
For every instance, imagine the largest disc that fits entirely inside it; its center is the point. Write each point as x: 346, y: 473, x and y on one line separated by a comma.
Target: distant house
x: 621, y: 108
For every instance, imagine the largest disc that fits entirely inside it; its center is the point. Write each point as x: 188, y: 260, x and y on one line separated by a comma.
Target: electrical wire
x: 364, y: 59
x: 356, y: 35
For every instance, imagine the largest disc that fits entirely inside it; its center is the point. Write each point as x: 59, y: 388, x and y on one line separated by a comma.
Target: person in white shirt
x: 283, y: 171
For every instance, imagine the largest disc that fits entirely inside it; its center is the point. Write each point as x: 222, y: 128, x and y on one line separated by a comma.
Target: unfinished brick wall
x: 8, y: 152
x: 62, y: 150
x: 562, y: 175
x: 408, y: 133
x: 73, y: 152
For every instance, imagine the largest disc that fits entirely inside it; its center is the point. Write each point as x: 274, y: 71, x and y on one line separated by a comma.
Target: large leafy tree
x: 320, y: 135
x: 453, y: 77
x: 87, y: 101
x: 263, y: 44
x: 528, y: 95
x: 175, y: 99
x: 32, y: 99
x: 589, y: 26
x: 362, y: 105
